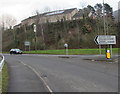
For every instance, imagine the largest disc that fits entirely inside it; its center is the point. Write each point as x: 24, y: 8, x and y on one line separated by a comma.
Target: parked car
x: 16, y: 51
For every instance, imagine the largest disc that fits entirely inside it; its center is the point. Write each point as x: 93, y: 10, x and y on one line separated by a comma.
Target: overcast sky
x: 21, y: 9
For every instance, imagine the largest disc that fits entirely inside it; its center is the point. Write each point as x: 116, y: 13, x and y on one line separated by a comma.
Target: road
x: 72, y: 74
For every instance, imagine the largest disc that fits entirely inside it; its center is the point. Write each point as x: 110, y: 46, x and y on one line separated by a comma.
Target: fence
x: 2, y: 62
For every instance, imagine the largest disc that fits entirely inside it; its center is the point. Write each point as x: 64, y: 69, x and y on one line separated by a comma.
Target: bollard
x: 66, y: 47
x: 108, y: 55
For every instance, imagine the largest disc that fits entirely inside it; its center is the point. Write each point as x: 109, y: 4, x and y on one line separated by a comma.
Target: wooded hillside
x: 77, y: 33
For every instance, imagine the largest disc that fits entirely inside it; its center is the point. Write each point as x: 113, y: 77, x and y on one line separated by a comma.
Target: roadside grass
x: 0, y: 82
x: 4, y: 79
x: 72, y: 51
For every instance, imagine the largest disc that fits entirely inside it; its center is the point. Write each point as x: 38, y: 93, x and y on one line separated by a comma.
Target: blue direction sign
x: 105, y: 39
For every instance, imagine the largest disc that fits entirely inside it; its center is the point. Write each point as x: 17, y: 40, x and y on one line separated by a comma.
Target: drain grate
x: 43, y: 75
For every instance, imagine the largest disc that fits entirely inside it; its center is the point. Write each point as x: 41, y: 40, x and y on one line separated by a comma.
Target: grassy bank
x: 72, y: 51
x: 0, y: 82
x: 4, y: 79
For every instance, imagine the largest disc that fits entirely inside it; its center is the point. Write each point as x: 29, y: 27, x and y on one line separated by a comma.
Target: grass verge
x: 72, y: 51
x: 4, y: 79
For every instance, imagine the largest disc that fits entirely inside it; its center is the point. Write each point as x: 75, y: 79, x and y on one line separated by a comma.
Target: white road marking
x: 48, y: 87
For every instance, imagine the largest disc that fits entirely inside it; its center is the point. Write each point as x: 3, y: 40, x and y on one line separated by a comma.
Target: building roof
x: 79, y: 14
x: 29, y: 18
x: 69, y: 10
x: 58, y: 12
x: 16, y: 26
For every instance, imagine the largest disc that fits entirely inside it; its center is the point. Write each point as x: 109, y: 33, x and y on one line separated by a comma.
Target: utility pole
x: 105, y: 30
x: 104, y: 18
x: 104, y: 24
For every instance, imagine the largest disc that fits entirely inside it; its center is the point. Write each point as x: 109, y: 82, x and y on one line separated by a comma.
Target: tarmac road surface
x: 43, y: 73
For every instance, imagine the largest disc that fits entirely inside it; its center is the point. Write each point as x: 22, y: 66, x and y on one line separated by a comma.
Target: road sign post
x: 105, y: 40
x: 27, y: 43
x: 100, y: 49
x: 35, y: 29
x: 111, y: 50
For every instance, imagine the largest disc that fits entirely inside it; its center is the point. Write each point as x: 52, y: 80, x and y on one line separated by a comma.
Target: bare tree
x: 0, y: 38
x: 47, y: 9
x: 39, y: 28
x: 39, y: 22
x: 7, y: 21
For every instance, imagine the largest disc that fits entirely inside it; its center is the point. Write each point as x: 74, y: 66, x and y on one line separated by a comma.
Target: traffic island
x: 103, y: 59
x: 67, y: 56
x: 63, y: 56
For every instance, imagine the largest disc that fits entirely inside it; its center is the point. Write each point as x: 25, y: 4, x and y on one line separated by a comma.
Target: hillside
x: 77, y: 33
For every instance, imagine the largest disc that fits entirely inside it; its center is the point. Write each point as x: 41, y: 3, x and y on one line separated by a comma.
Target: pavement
x: 23, y: 79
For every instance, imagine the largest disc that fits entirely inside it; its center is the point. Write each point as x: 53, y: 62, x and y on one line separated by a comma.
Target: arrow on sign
x: 96, y: 40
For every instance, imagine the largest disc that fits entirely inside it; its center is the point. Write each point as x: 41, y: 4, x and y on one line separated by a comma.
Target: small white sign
x: 66, y: 45
x: 34, y: 28
x: 27, y: 43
